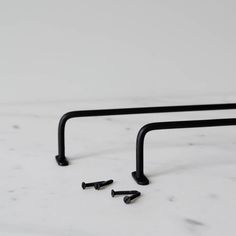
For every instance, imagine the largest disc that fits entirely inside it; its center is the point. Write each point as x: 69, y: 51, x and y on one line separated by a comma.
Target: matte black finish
x: 138, y: 175
x: 129, y: 199
x: 115, y: 193
x: 61, y: 158
x: 97, y: 186
x: 85, y: 185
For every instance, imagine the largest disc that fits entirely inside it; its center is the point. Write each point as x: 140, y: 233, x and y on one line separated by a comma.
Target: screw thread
x: 114, y: 193
x: 104, y: 183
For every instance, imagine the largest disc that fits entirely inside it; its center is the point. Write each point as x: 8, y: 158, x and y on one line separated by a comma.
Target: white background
x: 57, y: 56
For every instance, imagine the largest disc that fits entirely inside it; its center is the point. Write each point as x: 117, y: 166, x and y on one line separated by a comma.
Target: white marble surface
x: 57, y: 56
x: 192, y: 173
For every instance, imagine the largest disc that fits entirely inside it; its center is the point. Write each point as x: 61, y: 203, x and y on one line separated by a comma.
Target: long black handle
x: 61, y: 158
x: 138, y: 175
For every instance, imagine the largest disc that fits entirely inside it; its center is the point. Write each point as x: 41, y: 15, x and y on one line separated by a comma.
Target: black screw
x: 114, y: 193
x: 128, y: 199
x: 98, y: 185
x: 85, y: 185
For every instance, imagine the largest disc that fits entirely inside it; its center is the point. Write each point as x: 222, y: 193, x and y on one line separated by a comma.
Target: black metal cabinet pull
x: 61, y: 158
x: 138, y: 175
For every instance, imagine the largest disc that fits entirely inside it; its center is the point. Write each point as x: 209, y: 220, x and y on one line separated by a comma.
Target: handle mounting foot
x: 143, y: 180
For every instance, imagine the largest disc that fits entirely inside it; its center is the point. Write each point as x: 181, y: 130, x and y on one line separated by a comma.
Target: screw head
x: 83, y: 185
x: 112, y: 193
x: 127, y: 199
